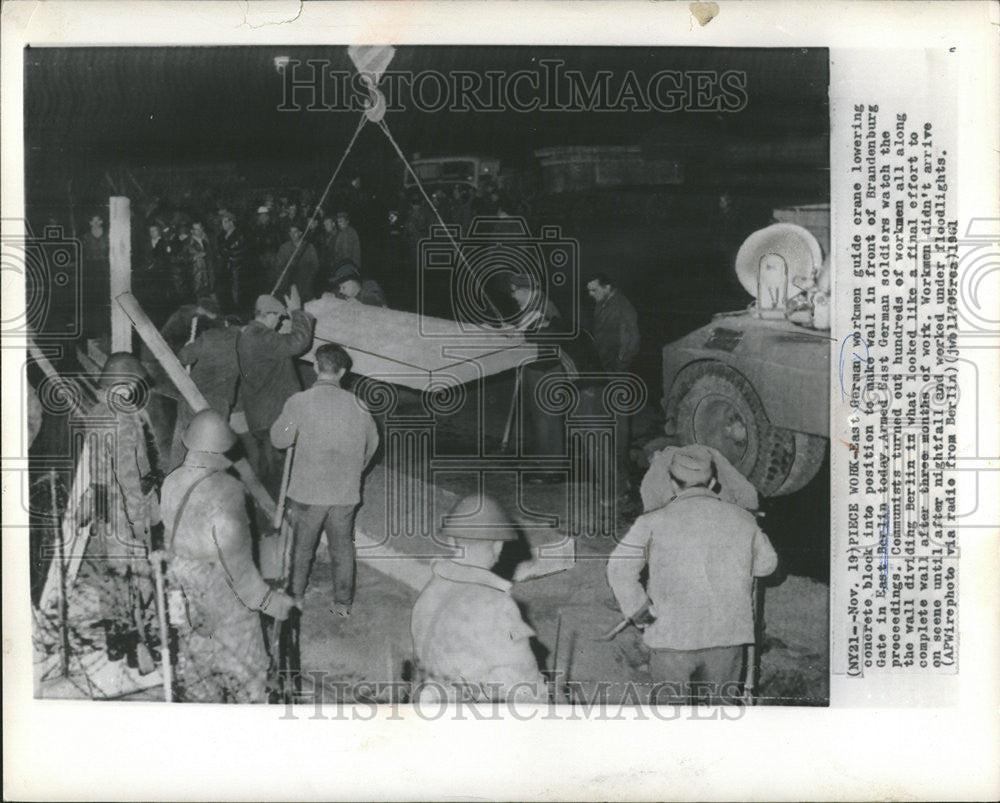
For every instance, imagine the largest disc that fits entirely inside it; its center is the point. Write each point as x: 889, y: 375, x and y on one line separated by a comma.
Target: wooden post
x: 188, y: 389
x: 120, y: 253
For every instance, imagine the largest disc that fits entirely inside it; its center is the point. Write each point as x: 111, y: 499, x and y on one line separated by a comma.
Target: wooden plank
x: 188, y: 389
x: 120, y: 255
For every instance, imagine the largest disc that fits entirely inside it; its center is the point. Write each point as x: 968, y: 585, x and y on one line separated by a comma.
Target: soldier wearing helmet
x: 208, y: 547
x: 467, y: 630
x: 120, y: 502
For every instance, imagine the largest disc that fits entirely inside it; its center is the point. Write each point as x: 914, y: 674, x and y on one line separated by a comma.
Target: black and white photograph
x: 517, y: 400
x: 408, y: 373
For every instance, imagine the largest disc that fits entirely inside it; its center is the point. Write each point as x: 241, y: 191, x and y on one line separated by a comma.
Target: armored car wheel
x: 714, y: 405
x: 809, y: 453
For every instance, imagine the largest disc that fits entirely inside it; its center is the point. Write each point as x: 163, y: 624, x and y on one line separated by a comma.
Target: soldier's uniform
x: 221, y: 653
x: 467, y: 631
x: 122, y: 501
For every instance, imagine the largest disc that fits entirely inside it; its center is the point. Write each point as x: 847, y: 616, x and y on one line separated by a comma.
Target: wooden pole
x: 63, y: 607
x: 187, y: 388
x: 161, y: 611
x: 120, y: 253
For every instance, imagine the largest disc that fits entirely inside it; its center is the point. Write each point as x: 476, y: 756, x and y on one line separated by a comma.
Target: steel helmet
x: 120, y: 366
x: 478, y: 518
x: 208, y: 432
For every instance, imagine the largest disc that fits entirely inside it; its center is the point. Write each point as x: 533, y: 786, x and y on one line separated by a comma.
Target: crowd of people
x: 196, y: 283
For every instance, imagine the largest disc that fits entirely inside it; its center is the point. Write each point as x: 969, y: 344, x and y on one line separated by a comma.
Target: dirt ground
x: 566, y: 610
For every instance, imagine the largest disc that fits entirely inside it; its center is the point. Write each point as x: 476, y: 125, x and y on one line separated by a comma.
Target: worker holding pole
x: 703, y: 554
x: 208, y: 548
x: 336, y: 438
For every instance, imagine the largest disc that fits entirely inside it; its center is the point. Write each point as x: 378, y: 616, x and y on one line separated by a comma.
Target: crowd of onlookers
x: 233, y: 249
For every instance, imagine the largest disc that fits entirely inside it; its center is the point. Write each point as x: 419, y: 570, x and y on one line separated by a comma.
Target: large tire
x: 809, y: 453
x: 712, y: 404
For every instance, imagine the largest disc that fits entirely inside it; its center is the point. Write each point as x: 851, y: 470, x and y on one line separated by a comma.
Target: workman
x: 301, y: 271
x: 615, y: 328
x: 267, y: 373
x: 468, y: 634
x: 213, y: 367
x: 696, y: 610
x: 216, y: 590
x: 545, y: 428
x: 346, y: 283
x: 120, y: 501
x: 334, y: 437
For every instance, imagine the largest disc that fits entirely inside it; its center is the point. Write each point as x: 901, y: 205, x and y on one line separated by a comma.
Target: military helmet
x: 478, y: 518
x: 208, y: 432
x: 119, y: 366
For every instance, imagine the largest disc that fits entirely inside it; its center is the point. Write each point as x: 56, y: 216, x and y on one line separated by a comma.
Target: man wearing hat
x: 696, y: 609
x: 467, y: 631
x: 267, y: 373
x: 208, y: 548
x: 347, y: 283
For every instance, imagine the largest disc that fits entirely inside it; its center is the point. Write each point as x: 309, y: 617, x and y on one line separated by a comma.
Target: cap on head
x: 478, y: 518
x: 268, y: 303
x: 263, y: 210
x: 225, y: 214
x: 119, y: 366
x: 692, y: 465
x: 346, y: 270
x: 208, y: 432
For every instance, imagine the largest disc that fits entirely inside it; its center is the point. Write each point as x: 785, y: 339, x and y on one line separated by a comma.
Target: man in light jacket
x: 696, y: 610
x: 335, y: 437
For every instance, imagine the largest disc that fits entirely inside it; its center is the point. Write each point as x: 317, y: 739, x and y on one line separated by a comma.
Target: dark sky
x: 87, y: 109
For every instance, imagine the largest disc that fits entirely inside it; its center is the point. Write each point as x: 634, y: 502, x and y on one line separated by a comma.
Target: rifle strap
x: 183, y: 505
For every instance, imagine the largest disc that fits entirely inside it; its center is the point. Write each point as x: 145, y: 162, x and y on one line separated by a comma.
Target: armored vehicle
x: 754, y: 384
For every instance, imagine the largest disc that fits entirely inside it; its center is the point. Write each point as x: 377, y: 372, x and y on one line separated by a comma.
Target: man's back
x: 214, y: 366
x: 266, y: 367
x: 335, y: 437
x: 703, y: 554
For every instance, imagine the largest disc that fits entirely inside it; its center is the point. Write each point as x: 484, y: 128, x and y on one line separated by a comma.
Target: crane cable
x: 430, y: 203
x: 385, y: 129
x: 319, y: 205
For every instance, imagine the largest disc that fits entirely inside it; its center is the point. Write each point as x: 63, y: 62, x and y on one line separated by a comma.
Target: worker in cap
x: 695, y: 611
x: 346, y: 283
x: 209, y: 552
x: 120, y: 503
x: 467, y: 630
x: 268, y: 376
x: 658, y: 486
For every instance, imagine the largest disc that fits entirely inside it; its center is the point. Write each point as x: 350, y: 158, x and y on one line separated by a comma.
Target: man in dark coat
x: 267, y: 372
x: 616, y: 327
x: 232, y: 265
